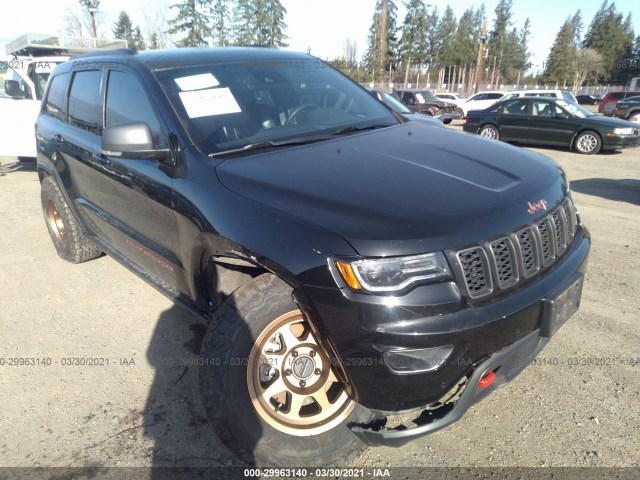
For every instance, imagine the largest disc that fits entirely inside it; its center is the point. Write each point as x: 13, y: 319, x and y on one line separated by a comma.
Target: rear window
x: 615, y: 95
x: 55, y: 104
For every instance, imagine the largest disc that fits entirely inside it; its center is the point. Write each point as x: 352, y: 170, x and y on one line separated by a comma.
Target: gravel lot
x: 580, y: 406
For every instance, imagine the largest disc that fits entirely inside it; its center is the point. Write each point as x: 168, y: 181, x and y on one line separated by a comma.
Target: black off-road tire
x: 66, y: 234
x: 223, y: 377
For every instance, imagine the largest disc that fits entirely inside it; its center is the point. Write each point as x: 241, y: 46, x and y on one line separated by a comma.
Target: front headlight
x: 392, y: 274
x: 623, y: 131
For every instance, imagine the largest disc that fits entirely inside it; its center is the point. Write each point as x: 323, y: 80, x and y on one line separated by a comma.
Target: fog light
x: 416, y: 360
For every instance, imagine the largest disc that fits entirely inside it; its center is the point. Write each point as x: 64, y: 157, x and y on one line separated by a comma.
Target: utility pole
x: 92, y: 7
x: 483, y: 40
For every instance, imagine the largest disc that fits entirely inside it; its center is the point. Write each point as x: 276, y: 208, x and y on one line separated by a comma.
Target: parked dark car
x: 426, y: 103
x: 588, y: 100
x: 550, y: 121
x: 352, y: 265
x: 612, y: 98
x: 627, y: 108
x: 396, y: 105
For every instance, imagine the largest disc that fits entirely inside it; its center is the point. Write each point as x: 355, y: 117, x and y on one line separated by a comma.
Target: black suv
x: 367, y: 279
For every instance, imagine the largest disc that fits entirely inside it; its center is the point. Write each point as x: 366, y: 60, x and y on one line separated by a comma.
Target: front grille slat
x: 508, y: 260
x: 528, y: 252
x: 475, y: 268
x: 504, y: 261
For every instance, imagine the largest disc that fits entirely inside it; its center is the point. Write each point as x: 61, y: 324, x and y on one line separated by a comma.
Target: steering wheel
x: 297, y: 110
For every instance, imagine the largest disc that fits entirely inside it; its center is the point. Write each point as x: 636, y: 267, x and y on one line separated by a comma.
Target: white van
x: 561, y: 94
x: 24, y: 72
x: 22, y: 83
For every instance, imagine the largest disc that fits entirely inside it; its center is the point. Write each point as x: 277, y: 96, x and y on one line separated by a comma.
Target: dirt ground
x: 139, y: 406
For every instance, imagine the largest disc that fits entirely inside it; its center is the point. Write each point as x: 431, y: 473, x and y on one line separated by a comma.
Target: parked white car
x: 455, y: 98
x: 565, y: 95
x: 481, y: 100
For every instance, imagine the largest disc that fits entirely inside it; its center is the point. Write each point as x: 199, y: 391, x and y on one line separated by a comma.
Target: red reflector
x: 487, y: 379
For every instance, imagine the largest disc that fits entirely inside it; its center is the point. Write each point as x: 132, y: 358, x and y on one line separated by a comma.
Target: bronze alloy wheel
x: 56, y: 224
x: 290, y: 380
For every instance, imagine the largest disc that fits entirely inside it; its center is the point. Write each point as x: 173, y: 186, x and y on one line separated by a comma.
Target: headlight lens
x: 393, y: 274
x: 623, y: 131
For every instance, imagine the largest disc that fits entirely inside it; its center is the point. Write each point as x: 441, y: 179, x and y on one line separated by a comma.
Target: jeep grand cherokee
x: 357, y: 269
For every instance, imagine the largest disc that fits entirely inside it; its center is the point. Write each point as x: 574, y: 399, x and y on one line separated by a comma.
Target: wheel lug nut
x: 318, y: 371
x: 303, y: 383
x: 312, y: 353
x: 287, y: 372
x: 294, y: 354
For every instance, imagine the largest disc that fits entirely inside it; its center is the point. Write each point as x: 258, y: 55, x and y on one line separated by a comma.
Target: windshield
x: 575, y: 109
x: 230, y: 106
x: 424, y: 97
x: 394, y: 104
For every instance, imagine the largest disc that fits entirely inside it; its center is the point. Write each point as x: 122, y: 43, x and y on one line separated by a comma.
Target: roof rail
x: 106, y: 53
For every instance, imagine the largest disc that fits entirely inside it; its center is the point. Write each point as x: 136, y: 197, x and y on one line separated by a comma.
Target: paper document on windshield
x: 210, y: 102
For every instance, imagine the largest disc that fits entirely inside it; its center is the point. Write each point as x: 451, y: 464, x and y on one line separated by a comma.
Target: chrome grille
x: 509, y: 259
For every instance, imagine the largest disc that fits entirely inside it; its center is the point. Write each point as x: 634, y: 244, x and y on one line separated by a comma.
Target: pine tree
x: 270, y: 19
x: 467, y: 37
x: 221, y: 17
x: 259, y: 22
x: 381, y: 51
x: 446, y: 32
x: 501, y: 38
x: 123, y: 28
x: 193, y: 21
x: 244, y: 24
x: 560, y: 67
x: 138, y: 40
x: 612, y: 37
x: 413, y: 42
x: 154, y: 41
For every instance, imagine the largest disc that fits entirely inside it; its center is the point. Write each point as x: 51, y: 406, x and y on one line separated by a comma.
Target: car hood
x: 609, y: 121
x: 404, y: 189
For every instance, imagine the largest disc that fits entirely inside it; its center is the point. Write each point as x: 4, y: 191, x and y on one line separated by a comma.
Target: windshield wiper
x: 271, y: 144
x: 353, y: 128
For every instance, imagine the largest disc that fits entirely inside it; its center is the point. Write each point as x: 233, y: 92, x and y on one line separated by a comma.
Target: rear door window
x: 83, y: 101
x: 516, y: 107
x: 55, y: 104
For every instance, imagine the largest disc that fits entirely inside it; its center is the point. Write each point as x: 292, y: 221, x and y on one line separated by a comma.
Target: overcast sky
x: 321, y: 25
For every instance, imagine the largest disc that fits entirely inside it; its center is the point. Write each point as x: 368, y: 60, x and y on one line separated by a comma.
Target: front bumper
x: 449, y: 114
x: 360, y: 332
x: 616, y: 142
x: 505, y: 364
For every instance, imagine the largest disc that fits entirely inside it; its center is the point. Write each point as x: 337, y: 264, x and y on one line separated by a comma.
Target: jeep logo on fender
x: 538, y: 206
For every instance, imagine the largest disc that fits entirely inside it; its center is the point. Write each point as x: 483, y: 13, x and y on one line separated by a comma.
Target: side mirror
x: 12, y: 88
x: 131, y: 140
